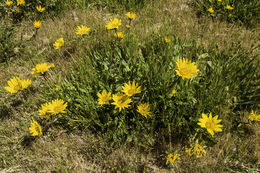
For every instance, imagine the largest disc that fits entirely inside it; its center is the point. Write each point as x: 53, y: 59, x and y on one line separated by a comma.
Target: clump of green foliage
x: 109, y: 65
x: 244, y: 12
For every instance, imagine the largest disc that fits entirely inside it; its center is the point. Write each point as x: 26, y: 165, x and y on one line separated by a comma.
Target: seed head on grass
x: 41, y: 69
x: 35, y: 129
x: 144, y: 109
x: 40, y: 8
x: 186, y: 68
x: 113, y: 24
x: 104, y: 97
x: 58, y: 43
x: 121, y: 101
x: 131, y: 89
x: 82, y: 30
x: 8, y: 3
x: 210, y: 123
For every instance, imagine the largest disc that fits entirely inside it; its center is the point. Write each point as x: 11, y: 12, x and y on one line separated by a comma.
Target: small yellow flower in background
x: 37, y: 24
x: 20, y: 2
x: 198, y: 150
x: 253, y: 116
x: 187, y: 151
x: 186, y: 68
x: 127, y: 26
x: 121, y: 101
x: 57, y: 106
x: 229, y: 7
x: 172, y: 93
x: 40, y: 9
x: 16, y: 84
x: 131, y: 89
x: 130, y: 15
x: 41, y: 69
x: 104, y: 97
x: 57, y: 88
x: 58, y: 43
x: 219, y: 0
x: 211, y: 10
x: 144, y: 109
x: 171, y: 158
x: 8, y: 3
x: 35, y: 129
x: 82, y: 30
x: 167, y: 40
x: 211, y: 124
x: 119, y: 35
x: 113, y: 24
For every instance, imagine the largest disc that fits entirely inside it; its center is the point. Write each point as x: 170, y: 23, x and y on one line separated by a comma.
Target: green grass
x: 94, y: 138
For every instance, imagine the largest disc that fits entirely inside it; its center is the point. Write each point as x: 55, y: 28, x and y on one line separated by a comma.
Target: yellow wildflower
x: 37, y: 24
x: 58, y: 43
x: 121, y: 101
x: 127, y: 26
x: 186, y: 68
x: 210, y: 123
x: 82, y: 30
x: 198, y: 150
x: 15, y: 84
x: 40, y: 9
x: 35, y: 129
x: 20, y: 2
x: 167, y: 40
x: 173, y: 92
x: 130, y: 15
x: 113, y: 24
x: 41, y: 69
x: 131, y: 89
x: 229, y: 7
x: 104, y: 97
x: 253, y: 116
x: 119, y: 35
x: 144, y: 109
x: 8, y: 3
x: 57, y: 106
x: 211, y: 10
x: 171, y: 158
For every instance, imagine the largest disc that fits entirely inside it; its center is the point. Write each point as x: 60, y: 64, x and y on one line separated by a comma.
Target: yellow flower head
x: 229, y: 7
x: 8, y: 3
x: 167, y: 40
x: 58, y: 43
x: 26, y: 83
x: 253, y: 116
x: 37, y: 24
x: 198, y: 150
x: 119, y: 35
x: 186, y: 68
x: 131, y: 89
x: 219, y: 0
x: 211, y: 124
x: 40, y: 69
x: 35, y: 129
x: 15, y: 84
x: 44, y: 111
x: 40, y: 9
x: 130, y: 15
x: 171, y: 158
x: 121, y: 101
x: 127, y: 26
x: 82, y: 30
x: 211, y: 10
x: 104, y: 97
x: 113, y: 24
x: 172, y: 93
x: 57, y: 106
x: 20, y: 2
x: 144, y: 109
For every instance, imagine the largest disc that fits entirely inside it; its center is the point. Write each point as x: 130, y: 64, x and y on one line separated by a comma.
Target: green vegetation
x: 182, y: 70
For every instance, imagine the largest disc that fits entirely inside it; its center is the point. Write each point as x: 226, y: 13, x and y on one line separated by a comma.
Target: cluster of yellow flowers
x: 123, y: 99
x: 16, y: 84
x: 228, y: 7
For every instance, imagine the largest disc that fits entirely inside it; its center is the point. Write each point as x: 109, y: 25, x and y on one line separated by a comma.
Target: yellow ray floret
x: 37, y: 24
x: 104, y: 97
x: 211, y: 124
x: 186, y: 68
x: 144, y: 109
x: 121, y: 101
x: 119, y: 35
x: 35, y: 129
x: 41, y: 69
x: 40, y: 9
x: 130, y: 15
x: 131, y: 89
